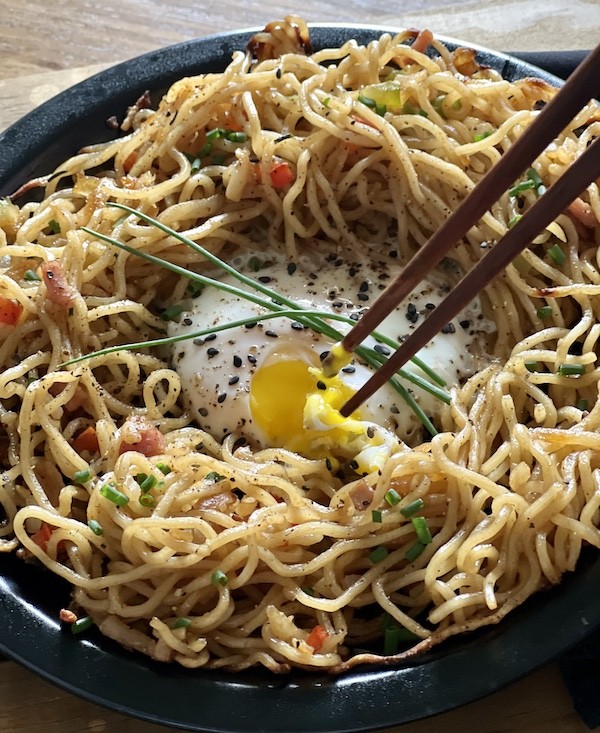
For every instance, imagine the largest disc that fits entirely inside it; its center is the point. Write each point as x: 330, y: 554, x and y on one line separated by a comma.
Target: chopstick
x: 581, y: 86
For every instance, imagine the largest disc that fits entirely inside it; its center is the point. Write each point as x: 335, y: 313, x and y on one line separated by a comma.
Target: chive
x: 181, y: 623
x: 31, y: 276
x: 326, y: 101
x: 147, y: 483
x: 556, y: 254
x: 381, y: 109
x: 392, y: 497
x: 54, y: 226
x: 456, y: 105
x: 82, y: 624
x: 110, y: 492
x: 163, y: 468
x: 206, y: 149
x: 544, y: 312
x: 414, y: 551
x: 215, y: 133
x: 309, y: 590
x: 96, y: 527
x: 172, y: 313
x: 236, y: 137
x: 376, y: 516
x: 582, y: 404
x: 82, y: 477
x: 218, y: 159
x: 367, y: 101
x: 571, y: 370
x: 479, y: 136
x: 378, y: 554
x: 531, y: 366
x: 219, y: 578
x: 147, y: 500
x: 520, y: 187
x: 538, y: 184
x: 391, y: 641
x: 194, y: 289
x: 422, y: 530
x: 214, y: 476
x: 412, y: 508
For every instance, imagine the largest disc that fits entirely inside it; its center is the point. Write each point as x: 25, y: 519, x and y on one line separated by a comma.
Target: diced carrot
x: 10, y: 311
x: 282, y: 174
x: 87, y: 440
x: 317, y: 637
x: 42, y: 536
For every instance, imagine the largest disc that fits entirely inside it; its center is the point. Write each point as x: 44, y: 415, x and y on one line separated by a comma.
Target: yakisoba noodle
x: 248, y: 557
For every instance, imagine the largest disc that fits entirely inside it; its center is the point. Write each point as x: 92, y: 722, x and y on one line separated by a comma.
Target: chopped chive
x: 309, y: 590
x: 181, y: 623
x: 531, y: 366
x: 556, y: 254
x: 412, y: 508
x: 31, y: 276
x: 422, y: 530
x: 456, y: 105
x: 326, y: 101
x: 544, y: 312
x: 376, y: 516
x: 378, y: 554
x: 391, y: 641
x: 148, y: 483
x: 96, y: 527
x: 514, y: 220
x: 215, y: 133
x: 254, y: 263
x: 206, y: 149
x: 196, y: 165
x: 520, y: 187
x: 538, y: 184
x: 214, y: 476
x: 414, y: 551
x: 81, y: 625
x: 147, y: 500
x: 236, y: 137
x: 571, y: 370
x: 164, y: 469
x: 392, y: 497
x: 82, y: 477
x: 479, y: 136
x: 194, y: 288
x: 381, y: 109
x: 218, y: 159
x: 172, y: 313
x: 582, y: 404
x: 367, y: 101
x: 110, y: 492
x: 54, y: 226
x: 219, y: 578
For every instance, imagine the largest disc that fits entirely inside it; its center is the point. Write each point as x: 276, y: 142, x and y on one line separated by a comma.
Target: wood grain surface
x: 48, y: 45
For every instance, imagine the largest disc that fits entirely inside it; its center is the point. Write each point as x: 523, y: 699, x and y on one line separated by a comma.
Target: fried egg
x: 264, y: 381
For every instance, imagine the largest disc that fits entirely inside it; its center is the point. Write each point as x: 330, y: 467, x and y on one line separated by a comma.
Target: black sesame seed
x: 271, y: 334
x: 394, y: 410
x: 352, y: 271
x: 354, y: 316
x: 198, y: 342
x: 250, y: 325
x: 465, y: 324
x: 187, y: 321
x: 349, y: 370
x: 251, y: 359
x: 339, y: 262
x: 448, y: 328
x: 323, y: 355
x: 321, y: 385
x: 264, y: 279
x: 364, y: 286
x: 297, y: 326
x: 234, y: 380
x: 393, y: 254
x: 353, y: 465
x: 412, y: 308
x: 221, y: 398
x: 430, y: 306
x: 362, y: 296
x: 337, y: 304
x: 291, y: 268
x: 237, y: 361
x: 212, y: 352
x: 370, y: 432
x: 328, y: 464
x: 203, y: 411
x: 381, y: 349
x: 278, y: 72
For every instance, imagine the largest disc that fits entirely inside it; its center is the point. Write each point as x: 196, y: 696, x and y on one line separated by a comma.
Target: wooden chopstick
x: 582, y: 86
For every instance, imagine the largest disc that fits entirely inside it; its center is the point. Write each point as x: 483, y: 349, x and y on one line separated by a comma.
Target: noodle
x: 211, y: 553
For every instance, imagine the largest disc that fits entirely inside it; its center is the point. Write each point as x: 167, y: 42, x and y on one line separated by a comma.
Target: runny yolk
x: 278, y: 394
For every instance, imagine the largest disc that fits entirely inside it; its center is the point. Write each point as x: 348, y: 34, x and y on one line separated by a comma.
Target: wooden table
x: 47, y: 45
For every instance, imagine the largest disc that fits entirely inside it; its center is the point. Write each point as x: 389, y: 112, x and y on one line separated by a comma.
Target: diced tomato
x: 87, y: 440
x: 282, y: 174
x: 42, y: 536
x: 10, y: 311
x: 317, y: 637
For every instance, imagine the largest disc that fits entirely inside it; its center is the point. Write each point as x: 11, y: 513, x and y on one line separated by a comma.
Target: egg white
x: 216, y: 372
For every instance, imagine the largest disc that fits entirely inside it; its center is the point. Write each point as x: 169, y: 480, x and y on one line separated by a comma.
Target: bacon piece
x: 58, y: 289
x: 66, y: 616
x: 422, y: 41
x: 140, y: 436
x: 583, y: 212
x: 10, y: 311
x: 362, y: 495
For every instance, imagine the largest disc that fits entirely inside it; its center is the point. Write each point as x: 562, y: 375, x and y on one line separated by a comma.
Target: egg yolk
x: 296, y: 407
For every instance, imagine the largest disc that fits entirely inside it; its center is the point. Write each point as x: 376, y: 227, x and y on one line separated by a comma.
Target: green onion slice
x: 414, y: 551
x: 378, y: 554
x: 571, y: 370
x: 96, y: 527
x: 82, y: 624
x: 422, y: 530
x: 219, y: 578
x: 110, y: 492
x: 392, y: 497
x: 412, y: 508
